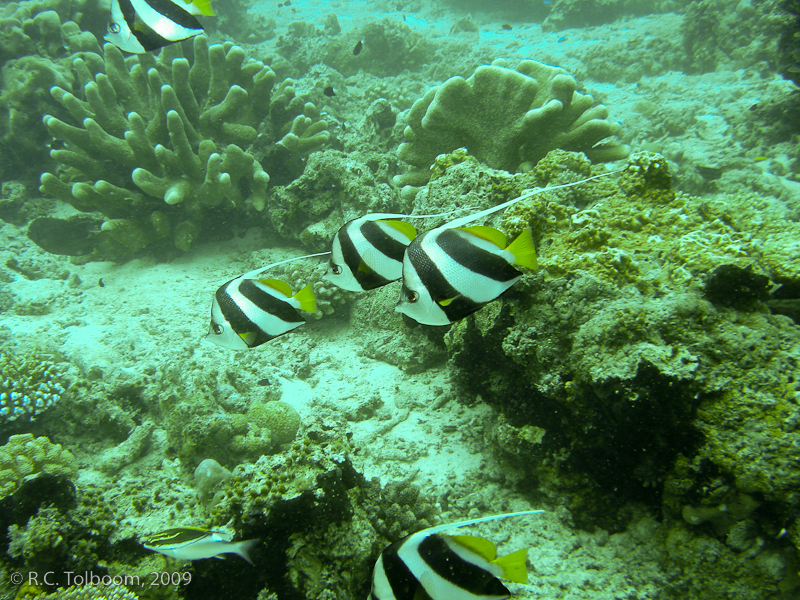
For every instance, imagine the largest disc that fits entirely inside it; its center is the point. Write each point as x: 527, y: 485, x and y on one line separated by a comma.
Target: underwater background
x: 642, y: 386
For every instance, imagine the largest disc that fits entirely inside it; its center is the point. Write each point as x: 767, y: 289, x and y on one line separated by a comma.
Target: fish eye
x: 217, y: 328
x: 412, y: 296
x: 113, y: 27
x: 336, y: 269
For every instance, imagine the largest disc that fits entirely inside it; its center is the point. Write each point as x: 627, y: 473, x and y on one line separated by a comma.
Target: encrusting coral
x: 162, y: 150
x: 505, y: 117
x: 280, y: 418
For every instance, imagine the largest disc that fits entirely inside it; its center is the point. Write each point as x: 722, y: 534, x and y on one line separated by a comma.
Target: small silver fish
x: 194, y: 543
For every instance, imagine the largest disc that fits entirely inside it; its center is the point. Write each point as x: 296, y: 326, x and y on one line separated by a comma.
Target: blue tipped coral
x: 29, y: 385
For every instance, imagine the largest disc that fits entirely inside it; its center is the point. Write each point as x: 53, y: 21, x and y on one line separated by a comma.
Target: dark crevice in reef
x: 605, y: 445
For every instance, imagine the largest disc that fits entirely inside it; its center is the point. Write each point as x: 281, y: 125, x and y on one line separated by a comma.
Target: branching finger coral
x: 152, y: 124
x: 162, y: 149
x: 36, y: 49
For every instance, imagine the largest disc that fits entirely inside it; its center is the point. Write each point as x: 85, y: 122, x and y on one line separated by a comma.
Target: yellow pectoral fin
x: 363, y: 268
x: 406, y: 229
x: 446, y: 301
x: 248, y: 338
x: 306, y: 299
x: 480, y: 546
x: 514, y: 566
x: 490, y: 234
x: 277, y: 284
x: 523, y: 250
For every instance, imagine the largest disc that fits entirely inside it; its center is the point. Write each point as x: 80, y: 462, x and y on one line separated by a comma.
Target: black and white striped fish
x: 430, y: 565
x: 367, y: 252
x: 449, y: 273
x: 249, y: 311
x: 138, y: 26
x: 453, y: 270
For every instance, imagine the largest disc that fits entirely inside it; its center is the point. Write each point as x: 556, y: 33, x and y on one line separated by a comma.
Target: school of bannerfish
x: 447, y: 273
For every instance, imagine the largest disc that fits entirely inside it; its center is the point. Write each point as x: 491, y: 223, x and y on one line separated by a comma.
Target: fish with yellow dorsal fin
x: 139, y: 26
x: 450, y: 273
x: 197, y: 7
x: 430, y: 565
x: 367, y: 252
x: 249, y: 310
x: 453, y: 270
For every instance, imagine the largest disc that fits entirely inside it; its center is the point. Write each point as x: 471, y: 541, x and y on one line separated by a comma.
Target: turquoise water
x: 639, y: 385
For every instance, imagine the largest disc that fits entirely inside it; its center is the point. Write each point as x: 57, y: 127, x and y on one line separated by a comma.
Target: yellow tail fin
x: 514, y: 566
x: 523, y: 250
x: 306, y: 299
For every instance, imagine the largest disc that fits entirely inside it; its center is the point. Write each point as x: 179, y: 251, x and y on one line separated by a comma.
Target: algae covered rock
x: 789, y: 43
x: 719, y: 34
x: 334, y: 187
x: 504, y: 117
x: 311, y: 507
x: 390, y: 46
x: 567, y: 14
x: 642, y: 345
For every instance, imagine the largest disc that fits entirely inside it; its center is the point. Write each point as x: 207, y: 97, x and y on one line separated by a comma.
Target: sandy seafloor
x: 152, y: 316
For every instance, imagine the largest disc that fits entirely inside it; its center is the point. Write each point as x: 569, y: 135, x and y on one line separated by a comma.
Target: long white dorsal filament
x: 257, y: 272
x: 440, y: 528
x: 470, y: 218
x: 379, y: 216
